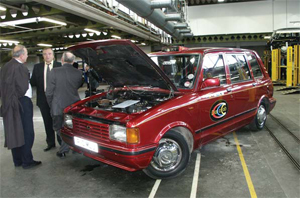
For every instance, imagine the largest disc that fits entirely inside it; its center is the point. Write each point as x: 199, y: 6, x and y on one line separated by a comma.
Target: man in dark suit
x: 39, y: 79
x: 17, y: 109
x: 62, y: 91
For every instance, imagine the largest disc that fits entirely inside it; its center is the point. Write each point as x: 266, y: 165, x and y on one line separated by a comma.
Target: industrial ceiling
x: 62, y: 23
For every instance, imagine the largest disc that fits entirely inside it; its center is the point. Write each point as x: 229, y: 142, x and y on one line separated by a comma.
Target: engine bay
x: 128, y: 101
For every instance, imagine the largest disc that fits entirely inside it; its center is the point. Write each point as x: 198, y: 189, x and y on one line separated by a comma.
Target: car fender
x: 180, y: 127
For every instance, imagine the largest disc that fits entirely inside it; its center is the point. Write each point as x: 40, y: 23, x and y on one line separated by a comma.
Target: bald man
x: 17, y: 108
x: 62, y: 91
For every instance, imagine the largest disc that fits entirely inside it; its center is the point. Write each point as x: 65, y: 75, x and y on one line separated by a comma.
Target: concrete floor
x: 221, y: 172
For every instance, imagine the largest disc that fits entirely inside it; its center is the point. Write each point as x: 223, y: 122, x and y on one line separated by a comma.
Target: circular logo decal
x: 218, y: 110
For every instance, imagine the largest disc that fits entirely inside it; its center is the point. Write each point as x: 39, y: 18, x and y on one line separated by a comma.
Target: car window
x: 180, y: 69
x: 255, y: 66
x: 238, y: 67
x: 213, y: 67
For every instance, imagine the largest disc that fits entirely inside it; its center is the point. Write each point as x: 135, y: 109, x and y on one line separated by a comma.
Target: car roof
x: 201, y: 50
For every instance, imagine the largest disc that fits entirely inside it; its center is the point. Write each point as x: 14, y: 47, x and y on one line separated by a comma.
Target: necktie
x: 47, y: 76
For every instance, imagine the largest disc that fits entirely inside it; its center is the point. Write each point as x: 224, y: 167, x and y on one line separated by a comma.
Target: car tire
x: 170, y: 158
x: 259, y: 121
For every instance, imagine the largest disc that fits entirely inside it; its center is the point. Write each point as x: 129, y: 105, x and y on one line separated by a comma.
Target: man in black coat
x: 39, y: 79
x: 17, y: 109
x: 62, y: 91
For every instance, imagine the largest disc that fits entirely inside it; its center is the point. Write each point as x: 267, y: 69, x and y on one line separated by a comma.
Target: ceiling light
x: 143, y: 43
x: 9, y: 41
x: 52, y: 21
x: 71, y: 36
x: 220, y: 1
x: 2, y: 8
x: 133, y: 41
x: 105, y: 33
x: 84, y: 34
x: 116, y: 37
x: 31, y: 20
x: 267, y: 37
x: 44, y: 45
x: 91, y: 34
x: 90, y: 30
x: 77, y: 35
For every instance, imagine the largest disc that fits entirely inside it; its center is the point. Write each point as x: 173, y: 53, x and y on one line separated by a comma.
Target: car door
x: 216, y: 104
x: 242, y: 87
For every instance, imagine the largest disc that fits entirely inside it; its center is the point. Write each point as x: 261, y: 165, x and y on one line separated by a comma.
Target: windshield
x: 181, y: 69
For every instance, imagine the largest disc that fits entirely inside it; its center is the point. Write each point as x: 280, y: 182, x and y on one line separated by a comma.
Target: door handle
x: 229, y: 90
x: 254, y: 84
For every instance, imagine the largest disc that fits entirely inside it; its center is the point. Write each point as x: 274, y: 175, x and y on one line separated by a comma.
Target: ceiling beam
x: 83, y: 10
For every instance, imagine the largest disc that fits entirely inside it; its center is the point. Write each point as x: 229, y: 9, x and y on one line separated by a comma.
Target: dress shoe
x: 33, y: 164
x: 49, y: 148
x: 61, y: 154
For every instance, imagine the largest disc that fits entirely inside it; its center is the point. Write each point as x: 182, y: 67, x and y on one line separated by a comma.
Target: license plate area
x: 89, y: 145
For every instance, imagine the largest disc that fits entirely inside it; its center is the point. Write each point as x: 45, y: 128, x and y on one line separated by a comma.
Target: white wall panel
x: 247, y: 17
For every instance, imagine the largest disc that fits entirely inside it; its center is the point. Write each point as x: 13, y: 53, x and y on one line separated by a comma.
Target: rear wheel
x: 260, y: 118
x: 170, y: 158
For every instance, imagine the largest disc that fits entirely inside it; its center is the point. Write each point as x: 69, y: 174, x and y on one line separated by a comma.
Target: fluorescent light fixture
x: 31, y: 20
x: 267, y: 37
x: 44, y: 45
x: 2, y: 8
x: 52, y: 21
x: 287, y: 31
x: 116, y: 37
x: 9, y: 41
x: 91, y: 30
x: 220, y: 1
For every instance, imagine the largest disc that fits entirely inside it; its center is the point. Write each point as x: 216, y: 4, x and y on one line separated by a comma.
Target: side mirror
x: 210, y: 82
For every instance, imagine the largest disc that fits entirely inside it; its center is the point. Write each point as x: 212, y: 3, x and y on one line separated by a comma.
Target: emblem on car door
x: 218, y: 110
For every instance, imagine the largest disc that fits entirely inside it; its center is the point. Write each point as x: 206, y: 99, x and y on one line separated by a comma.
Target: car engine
x: 128, y: 101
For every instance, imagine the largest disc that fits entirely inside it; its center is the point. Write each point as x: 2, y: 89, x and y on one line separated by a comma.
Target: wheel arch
x: 181, y: 128
x: 264, y: 100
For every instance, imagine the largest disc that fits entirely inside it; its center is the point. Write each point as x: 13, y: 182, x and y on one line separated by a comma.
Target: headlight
x: 68, y: 121
x: 117, y: 132
x: 123, y: 134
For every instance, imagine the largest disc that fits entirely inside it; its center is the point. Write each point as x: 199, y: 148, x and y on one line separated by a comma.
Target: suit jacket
x: 37, y: 79
x: 14, y: 80
x: 62, y: 88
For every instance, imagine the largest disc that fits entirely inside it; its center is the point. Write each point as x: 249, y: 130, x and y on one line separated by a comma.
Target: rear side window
x: 213, y: 67
x: 254, y: 65
x: 238, y: 67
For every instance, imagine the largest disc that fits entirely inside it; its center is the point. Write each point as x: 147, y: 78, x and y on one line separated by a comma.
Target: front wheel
x: 170, y: 158
x: 260, y: 119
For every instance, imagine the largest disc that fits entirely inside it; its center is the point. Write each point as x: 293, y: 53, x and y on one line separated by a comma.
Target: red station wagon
x: 158, y: 109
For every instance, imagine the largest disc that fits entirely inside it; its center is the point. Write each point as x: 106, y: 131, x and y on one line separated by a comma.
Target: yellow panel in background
x: 289, y: 69
x: 274, y: 64
x: 296, y: 65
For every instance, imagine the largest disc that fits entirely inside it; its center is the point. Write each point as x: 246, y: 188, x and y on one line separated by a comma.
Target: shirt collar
x: 18, y: 60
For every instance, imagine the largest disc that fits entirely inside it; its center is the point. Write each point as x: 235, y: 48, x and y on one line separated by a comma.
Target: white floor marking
x: 196, y: 176
x: 154, y: 189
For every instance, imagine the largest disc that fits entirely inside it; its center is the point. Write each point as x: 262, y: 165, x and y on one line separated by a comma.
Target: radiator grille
x: 92, y: 130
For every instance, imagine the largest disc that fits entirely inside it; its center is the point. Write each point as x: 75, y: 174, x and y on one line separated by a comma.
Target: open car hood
x: 120, y: 62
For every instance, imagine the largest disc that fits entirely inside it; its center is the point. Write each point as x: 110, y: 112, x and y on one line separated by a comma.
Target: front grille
x: 91, y: 130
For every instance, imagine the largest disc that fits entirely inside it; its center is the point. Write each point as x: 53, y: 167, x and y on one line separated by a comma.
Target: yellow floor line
x: 246, y: 172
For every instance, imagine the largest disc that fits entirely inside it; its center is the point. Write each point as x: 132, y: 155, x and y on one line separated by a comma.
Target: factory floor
x: 241, y: 164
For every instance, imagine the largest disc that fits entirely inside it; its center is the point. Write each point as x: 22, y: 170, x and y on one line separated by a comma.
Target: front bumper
x: 124, y: 158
